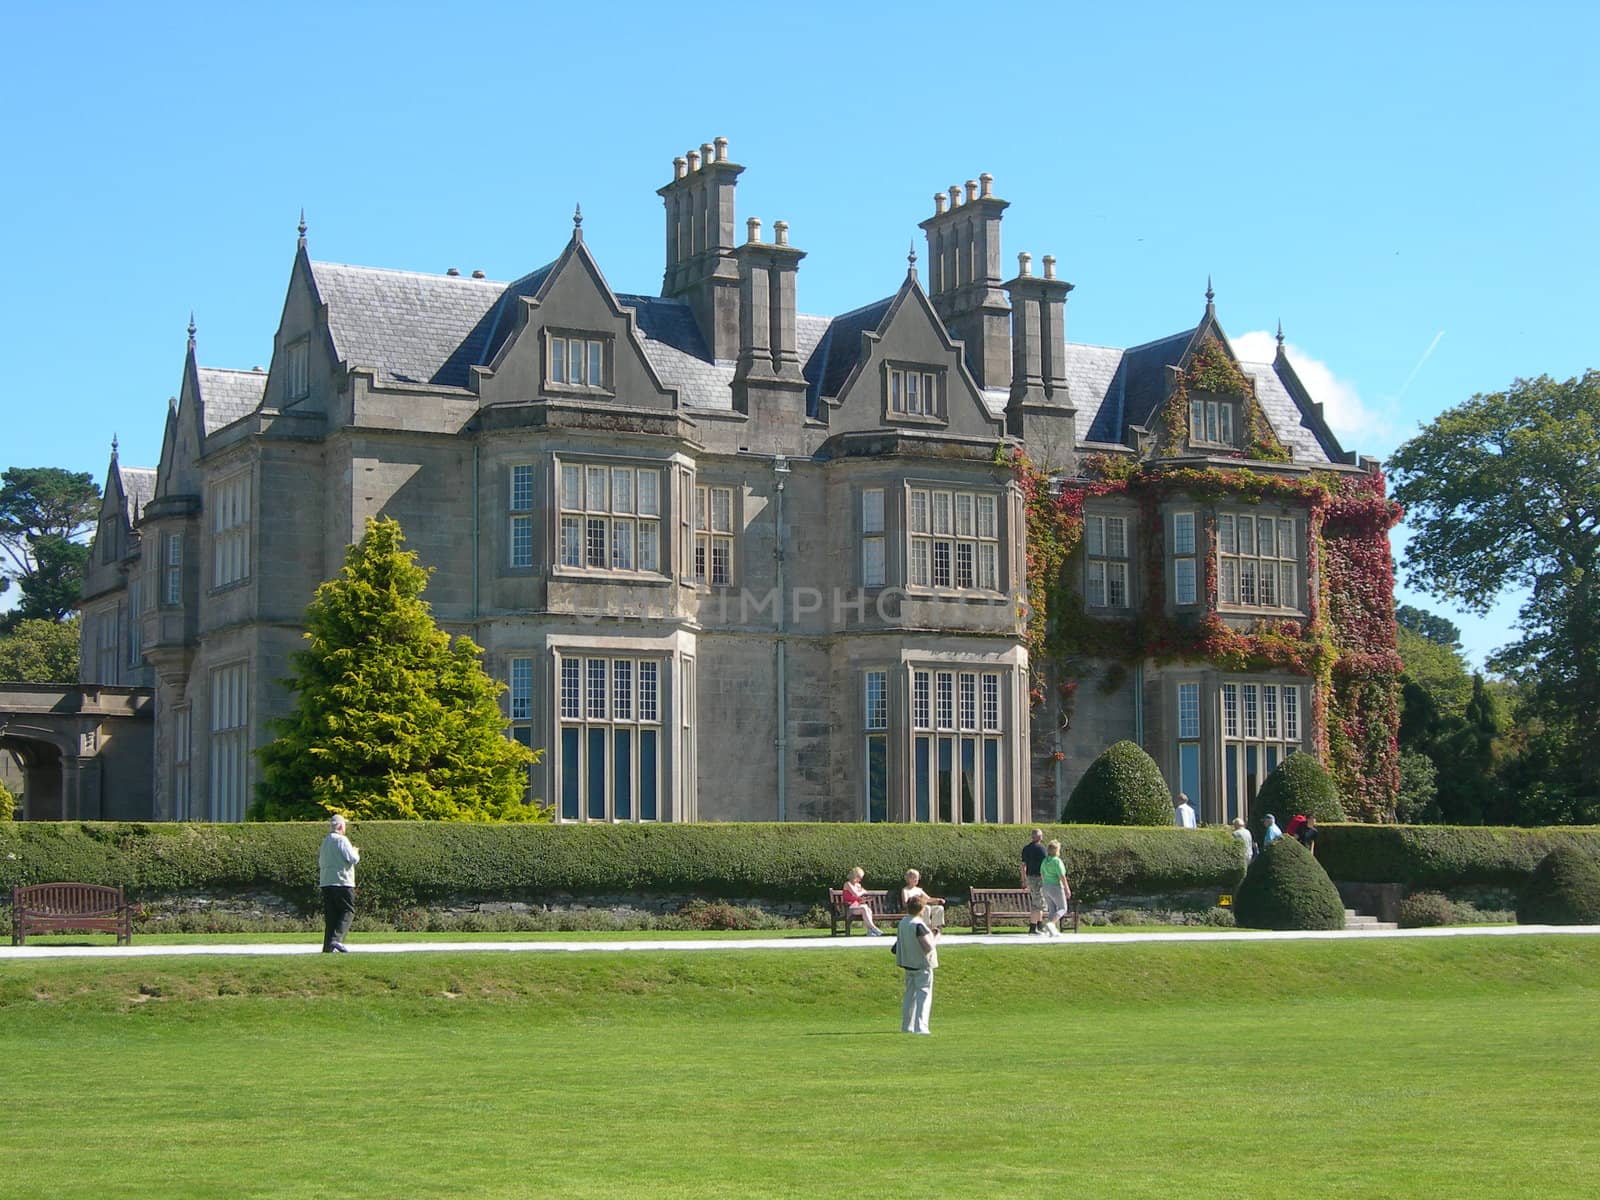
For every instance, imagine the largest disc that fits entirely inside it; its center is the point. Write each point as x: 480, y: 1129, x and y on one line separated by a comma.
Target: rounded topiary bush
x: 1121, y: 787
x: 1564, y: 889
x: 1300, y: 784
x: 1286, y: 888
x: 1427, y: 910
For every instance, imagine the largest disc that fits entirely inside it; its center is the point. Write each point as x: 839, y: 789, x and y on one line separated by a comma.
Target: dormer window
x: 297, y: 370
x: 914, y: 392
x: 577, y: 361
x: 1211, y: 422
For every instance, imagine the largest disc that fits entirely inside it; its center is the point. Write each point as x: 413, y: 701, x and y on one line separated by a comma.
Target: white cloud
x: 1356, y: 426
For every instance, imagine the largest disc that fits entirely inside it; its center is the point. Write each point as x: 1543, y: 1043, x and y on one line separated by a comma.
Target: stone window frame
x: 949, y: 713
x: 1256, y: 713
x: 875, y: 744
x: 581, y: 524
x: 172, y: 569
x: 709, y: 540
x: 1098, y: 552
x: 901, y: 379
x: 1240, y: 573
x: 611, y: 702
x: 297, y: 369
x: 228, y: 730
x: 597, y: 358
x: 874, y: 536
x: 231, y: 529
x: 923, y: 540
x: 1213, y: 421
x: 1185, y: 541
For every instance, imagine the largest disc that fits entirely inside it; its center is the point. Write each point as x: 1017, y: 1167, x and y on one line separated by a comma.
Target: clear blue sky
x: 1412, y: 188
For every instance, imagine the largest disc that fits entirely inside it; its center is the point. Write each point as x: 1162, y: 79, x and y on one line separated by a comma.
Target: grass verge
x: 1460, y: 1067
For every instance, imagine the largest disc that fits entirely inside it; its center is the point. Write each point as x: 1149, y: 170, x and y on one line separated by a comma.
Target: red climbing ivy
x: 1345, y: 644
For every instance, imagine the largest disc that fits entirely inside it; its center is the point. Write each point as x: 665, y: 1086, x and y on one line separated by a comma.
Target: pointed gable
x: 573, y: 313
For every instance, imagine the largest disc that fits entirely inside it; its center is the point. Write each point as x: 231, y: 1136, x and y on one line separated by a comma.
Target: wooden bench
x: 839, y: 912
x: 1007, y: 904
x: 69, y: 907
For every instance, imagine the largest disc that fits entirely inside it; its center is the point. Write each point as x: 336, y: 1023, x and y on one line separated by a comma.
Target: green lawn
x: 1458, y: 1068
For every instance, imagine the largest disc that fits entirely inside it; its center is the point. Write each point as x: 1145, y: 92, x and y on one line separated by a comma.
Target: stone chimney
x: 768, y: 375
x: 1038, y: 349
x: 701, y: 266
x: 964, y: 276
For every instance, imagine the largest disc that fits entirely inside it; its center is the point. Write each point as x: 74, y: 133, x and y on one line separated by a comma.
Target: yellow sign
x: 1225, y: 901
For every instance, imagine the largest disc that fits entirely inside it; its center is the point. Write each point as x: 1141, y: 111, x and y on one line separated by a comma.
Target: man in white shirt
x: 1242, y: 835
x: 1184, y: 813
x: 916, y: 951
x: 336, y: 873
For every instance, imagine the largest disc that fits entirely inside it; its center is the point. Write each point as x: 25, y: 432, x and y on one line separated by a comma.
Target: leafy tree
x: 1504, y: 491
x: 39, y: 651
x: 1430, y: 625
x: 1437, y: 669
x: 1417, y: 801
x: 392, y: 719
x: 44, y: 512
x: 8, y: 803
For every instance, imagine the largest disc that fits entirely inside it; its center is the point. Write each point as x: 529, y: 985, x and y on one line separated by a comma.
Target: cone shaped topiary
x: 1300, y: 784
x: 1564, y: 889
x: 1286, y: 888
x: 1121, y: 787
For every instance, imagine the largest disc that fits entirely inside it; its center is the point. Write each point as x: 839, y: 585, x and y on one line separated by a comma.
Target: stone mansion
x: 732, y: 561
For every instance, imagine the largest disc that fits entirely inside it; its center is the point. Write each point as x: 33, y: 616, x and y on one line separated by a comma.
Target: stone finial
x: 911, y: 261
x: 1280, y: 333
x: 938, y: 203
x: 955, y: 197
x: 302, y: 228
x: 1049, y: 266
x: 986, y: 185
x: 577, y: 216
x: 780, y: 232
x: 1210, y: 295
x: 113, y: 445
x: 721, y: 144
x: 752, y: 229
x: 680, y: 167
x: 191, y: 329
x: 972, y: 190
x: 1024, y: 263
x: 694, y: 161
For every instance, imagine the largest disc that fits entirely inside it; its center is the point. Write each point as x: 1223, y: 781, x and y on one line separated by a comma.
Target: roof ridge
x: 1171, y: 337
x: 863, y: 308
x: 423, y: 274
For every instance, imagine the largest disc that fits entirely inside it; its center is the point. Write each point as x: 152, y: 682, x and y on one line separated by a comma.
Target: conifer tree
x: 392, y: 719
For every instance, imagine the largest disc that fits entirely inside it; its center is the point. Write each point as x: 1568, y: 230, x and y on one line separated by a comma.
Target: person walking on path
x: 1057, y: 891
x: 336, y: 873
x: 1183, y: 814
x: 1242, y: 834
x: 916, y: 952
x: 855, y: 901
x: 1308, y: 834
x: 1271, y: 832
x: 1032, y: 860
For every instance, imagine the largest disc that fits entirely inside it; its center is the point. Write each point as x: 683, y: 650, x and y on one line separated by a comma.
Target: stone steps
x: 1358, y: 922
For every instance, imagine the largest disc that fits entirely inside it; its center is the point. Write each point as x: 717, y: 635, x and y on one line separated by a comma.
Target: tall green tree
x: 39, y: 651
x: 392, y: 719
x: 1430, y: 625
x: 1503, y: 492
x: 44, y: 513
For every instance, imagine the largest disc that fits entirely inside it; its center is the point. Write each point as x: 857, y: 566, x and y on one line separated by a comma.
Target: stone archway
x: 86, y: 750
x: 40, y: 762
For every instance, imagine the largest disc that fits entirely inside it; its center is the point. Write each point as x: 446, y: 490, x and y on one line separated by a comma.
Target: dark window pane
x: 647, y: 774
x: 597, y: 774
x: 946, y: 779
x: 991, y: 780
x: 622, y: 775
x: 924, y: 783
x: 877, y: 778
x: 569, y: 774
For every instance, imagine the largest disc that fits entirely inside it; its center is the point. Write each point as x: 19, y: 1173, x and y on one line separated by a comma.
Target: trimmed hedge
x: 1299, y: 784
x: 1442, y: 856
x: 1286, y: 888
x: 1564, y: 889
x: 1123, y: 786
x: 413, y: 863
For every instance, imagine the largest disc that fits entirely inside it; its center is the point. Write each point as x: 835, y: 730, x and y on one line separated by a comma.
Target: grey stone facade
x: 736, y: 562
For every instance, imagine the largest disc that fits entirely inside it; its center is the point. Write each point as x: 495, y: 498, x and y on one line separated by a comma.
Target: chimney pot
x: 938, y: 203
x: 1049, y: 266
x: 1024, y: 263
x: 986, y: 185
x: 722, y: 149
x: 453, y: 271
x: 972, y: 190
x: 694, y: 161
x: 707, y: 154
x: 780, y: 232
x: 955, y: 197
x: 752, y: 226
x: 680, y: 167
x: 478, y: 275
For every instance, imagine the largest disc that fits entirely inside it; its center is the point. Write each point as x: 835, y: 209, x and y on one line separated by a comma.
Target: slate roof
x: 406, y: 325
x: 138, y: 487
x: 227, y: 395
x: 1284, y: 414
x: 417, y: 328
